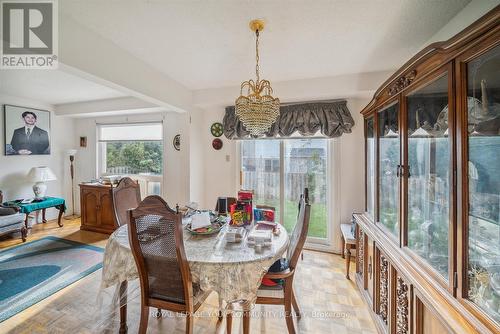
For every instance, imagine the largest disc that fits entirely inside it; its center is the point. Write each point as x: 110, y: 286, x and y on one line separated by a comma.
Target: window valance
x: 331, y: 119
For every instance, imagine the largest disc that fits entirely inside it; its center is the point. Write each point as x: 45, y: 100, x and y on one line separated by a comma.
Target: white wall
x: 221, y: 176
x: 196, y: 157
x: 176, y: 163
x: 352, y: 170
x: 14, y: 169
x: 471, y: 13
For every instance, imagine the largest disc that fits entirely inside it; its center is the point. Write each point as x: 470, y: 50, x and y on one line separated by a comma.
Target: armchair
x: 11, y: 220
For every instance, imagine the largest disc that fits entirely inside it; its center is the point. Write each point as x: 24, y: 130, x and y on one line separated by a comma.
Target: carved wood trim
x: 401, y: 83
x: 452, y: 312
x: 384, y: 288
x: 402, y: 303
x: 361, y: 251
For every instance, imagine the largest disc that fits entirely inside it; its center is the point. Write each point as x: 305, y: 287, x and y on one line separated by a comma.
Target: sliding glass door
x: 260, y: 171
x: 278, y: 170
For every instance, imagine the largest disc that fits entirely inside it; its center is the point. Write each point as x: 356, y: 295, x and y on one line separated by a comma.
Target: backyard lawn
x: 317, y: 223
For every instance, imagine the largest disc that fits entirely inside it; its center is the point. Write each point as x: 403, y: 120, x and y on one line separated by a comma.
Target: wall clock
x: 217, y: 129
x: 217, y: 143
x: 177, y: 142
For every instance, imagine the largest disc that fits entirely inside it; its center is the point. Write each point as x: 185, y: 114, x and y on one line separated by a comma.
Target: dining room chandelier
x: 258, y: 110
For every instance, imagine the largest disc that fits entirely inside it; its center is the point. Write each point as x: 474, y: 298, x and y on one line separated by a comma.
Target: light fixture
x: 72, y: 153
x: 258, y: 110
x: 40, y: 175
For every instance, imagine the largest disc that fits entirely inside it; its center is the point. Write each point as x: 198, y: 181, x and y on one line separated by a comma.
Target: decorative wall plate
x: 177, y: 142
x: 217, y: 144
x: 217, y: 129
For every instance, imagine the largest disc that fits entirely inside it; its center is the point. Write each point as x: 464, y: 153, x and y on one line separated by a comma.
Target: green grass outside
x: 317, y: 223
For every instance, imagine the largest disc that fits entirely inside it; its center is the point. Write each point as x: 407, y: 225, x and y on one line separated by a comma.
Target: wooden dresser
x: 97, y: 208
x: 428, y: 243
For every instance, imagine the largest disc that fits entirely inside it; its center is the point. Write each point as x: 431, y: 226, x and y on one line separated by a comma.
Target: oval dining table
x: 233, y: 270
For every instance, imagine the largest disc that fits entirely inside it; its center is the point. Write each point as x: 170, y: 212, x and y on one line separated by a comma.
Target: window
x: 135, y: 150
x: 278, y: 170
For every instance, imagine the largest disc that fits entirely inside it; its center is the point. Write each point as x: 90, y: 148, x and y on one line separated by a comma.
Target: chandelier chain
x: 258, y: 110
x: 257, y: 55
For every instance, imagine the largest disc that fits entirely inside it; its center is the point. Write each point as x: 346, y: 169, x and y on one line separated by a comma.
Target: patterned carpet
x: 35, y: 270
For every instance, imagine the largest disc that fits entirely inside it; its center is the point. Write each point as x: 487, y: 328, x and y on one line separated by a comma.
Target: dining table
x: 233, y: 270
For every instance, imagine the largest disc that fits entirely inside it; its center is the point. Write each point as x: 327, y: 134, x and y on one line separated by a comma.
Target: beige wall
x: 471, y: 13
x: 14, y: 169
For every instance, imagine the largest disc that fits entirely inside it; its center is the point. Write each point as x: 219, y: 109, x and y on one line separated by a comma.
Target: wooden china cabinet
x: 429, y: 240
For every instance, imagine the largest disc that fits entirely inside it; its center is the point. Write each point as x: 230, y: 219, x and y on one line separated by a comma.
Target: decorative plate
x: 217, y: 224
x: 217, y: 129
x: 217, y: 144
x: 177, y: 142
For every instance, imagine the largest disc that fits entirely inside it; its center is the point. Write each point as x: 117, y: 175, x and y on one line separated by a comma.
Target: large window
x: 135, y: 150
x: 278, y: 170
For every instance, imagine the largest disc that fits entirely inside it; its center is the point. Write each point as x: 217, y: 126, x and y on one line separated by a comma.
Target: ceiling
x: 52, y: 86
x: 207, y: 44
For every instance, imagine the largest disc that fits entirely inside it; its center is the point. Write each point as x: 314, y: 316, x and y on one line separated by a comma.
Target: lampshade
x: 71, y: 151
x: 41, y: 174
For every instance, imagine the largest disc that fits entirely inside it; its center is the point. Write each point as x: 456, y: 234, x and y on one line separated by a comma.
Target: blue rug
x: 35, y: 270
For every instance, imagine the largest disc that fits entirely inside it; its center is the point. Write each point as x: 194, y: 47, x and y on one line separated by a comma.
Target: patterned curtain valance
x: 331, y: 119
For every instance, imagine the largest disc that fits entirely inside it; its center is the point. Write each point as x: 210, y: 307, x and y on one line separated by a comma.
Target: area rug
x: 35, y: 270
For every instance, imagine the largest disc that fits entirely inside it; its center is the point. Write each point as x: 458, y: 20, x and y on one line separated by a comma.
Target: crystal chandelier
x: 258, y: 109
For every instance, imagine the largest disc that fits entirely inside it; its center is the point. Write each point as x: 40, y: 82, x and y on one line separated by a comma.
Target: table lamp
x: 40, y: 175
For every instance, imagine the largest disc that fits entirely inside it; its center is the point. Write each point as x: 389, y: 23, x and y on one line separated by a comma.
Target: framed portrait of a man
x: 27, y: 131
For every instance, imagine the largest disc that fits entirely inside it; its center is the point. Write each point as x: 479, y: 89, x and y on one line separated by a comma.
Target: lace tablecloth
x: 234, y: 271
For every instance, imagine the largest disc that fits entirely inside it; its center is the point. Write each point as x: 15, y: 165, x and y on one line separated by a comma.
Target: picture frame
x: 26, y: 131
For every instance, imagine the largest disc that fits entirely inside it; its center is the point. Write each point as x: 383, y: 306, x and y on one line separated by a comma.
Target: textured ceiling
x: 207, y: 44
x: 52, y: 86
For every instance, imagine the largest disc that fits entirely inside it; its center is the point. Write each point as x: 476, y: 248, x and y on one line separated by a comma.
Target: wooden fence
x: 267, y: 185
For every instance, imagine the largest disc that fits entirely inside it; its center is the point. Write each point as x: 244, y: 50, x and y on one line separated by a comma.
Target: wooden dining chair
x: 126, y: 195
x: 284, y: 294
x: 156, y: 241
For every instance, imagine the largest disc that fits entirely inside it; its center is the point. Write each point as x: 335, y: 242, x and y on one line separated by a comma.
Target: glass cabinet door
x: 429, y: 173
x: 483, y: 106
x: 389, y: 161
x: 370, y: 167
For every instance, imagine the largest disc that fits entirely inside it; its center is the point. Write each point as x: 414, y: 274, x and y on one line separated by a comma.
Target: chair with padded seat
x: 283, y: 294
x: 11, y: 220
x: 156, y: 241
